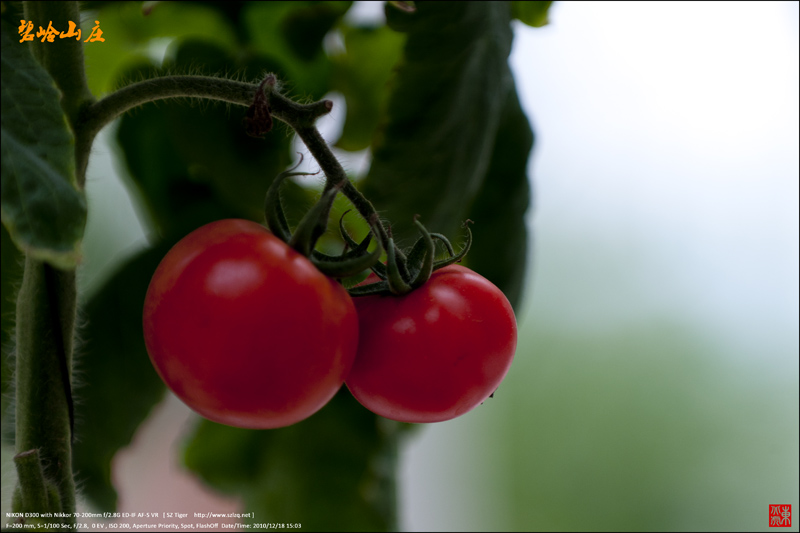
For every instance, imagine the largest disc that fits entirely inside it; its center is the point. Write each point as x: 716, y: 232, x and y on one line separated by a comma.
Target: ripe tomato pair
x: 248, y: 333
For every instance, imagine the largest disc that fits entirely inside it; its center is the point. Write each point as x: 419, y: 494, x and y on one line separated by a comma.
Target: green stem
x: 335, y: 174
x: 33, y: 486
x: 45, y: 329
x: 46, y: 303
x: 300, y: 117
x: 101, y: 113
x: 96, y: 116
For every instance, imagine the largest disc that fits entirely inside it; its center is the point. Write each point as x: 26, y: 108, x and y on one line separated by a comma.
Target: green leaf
x: 331, y: 472
x: 531, y: 13
x: 362, y: 75
x: 500, y: 207
x: 121, y: 385
x: 303, y: 65
x: 130, y: 35
x: 42, y: 208
x: 304, y: 27
x: 436, y: 155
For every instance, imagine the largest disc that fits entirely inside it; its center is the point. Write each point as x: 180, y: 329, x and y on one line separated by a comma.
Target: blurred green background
x: 655, y: 386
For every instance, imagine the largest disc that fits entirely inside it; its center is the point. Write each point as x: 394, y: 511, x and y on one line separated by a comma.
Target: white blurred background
x: 656, y: 380
x: 656, y: 384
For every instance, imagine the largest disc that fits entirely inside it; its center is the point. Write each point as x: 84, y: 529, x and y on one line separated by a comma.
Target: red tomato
x: 246, y: 331
x: 435, y: 353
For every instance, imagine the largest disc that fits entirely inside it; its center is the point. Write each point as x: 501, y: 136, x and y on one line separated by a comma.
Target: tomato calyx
x: 403, y: 273
x: 312, y: 227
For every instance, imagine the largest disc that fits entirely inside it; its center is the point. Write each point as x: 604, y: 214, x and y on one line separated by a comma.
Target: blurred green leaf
x: 131, y: 36
x: 531, y: 13
x: 304, y: 27
x: 500, y: 236
x: 334, y: 471
x: 362, y: 74
x: 121, y: 385
x: 198, y: 165
x: 42, y: 208
x: 452, y: 94
x: 272, y: 26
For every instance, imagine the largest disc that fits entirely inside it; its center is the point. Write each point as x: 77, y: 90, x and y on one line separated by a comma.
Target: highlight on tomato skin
x: 245, y: 330
x: 436, y: 353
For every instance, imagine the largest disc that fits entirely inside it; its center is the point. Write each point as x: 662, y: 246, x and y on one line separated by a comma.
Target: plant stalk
x: 298, y: 116
x: 46, y: 303
x: 45, y: 330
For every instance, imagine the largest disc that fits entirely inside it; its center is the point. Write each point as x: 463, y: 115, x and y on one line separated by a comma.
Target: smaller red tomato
x: 245, y: 330
x: 435, y: 353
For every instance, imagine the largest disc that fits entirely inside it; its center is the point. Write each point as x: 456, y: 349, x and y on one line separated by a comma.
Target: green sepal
x: 400, y: 260
x: 380, y: 288
x: 425, y: 269
x: 313, y: 224
x: 346, y: 236
x: 348, y: 264
x: 446, y: 243
x: 358, y: 250
x: 397, y: 283
x: 351, y: 281
x: 416, y: 256
x: 456, y: 258
x: 425, y: 249
x: 380, y: 270
x: 273, y: 208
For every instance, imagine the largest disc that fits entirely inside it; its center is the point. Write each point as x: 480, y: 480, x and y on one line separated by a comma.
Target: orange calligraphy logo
x: 49, y: 34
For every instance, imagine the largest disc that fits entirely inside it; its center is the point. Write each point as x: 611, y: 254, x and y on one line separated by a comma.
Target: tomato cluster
x: 248, y: 333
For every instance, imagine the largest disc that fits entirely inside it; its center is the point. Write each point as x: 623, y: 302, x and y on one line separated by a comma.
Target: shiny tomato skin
x: 245, y: 330
x: 435, y: 353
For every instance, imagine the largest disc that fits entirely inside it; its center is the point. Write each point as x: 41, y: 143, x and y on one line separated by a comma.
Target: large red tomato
x: 435, y: 353
x: 246, y: 331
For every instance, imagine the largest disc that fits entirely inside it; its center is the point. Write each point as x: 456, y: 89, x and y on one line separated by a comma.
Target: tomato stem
x: 265, y: 102
x: 300, y: 117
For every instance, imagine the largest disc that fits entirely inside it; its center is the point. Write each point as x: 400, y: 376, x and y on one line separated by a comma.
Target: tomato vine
x: 47, y: 299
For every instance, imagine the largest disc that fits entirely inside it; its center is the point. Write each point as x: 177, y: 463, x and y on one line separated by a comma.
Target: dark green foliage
x: 362, y: 75
x: 456, y: 141
x: 432, y: 95
x: 334, y: 471
x: 500, y: 236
